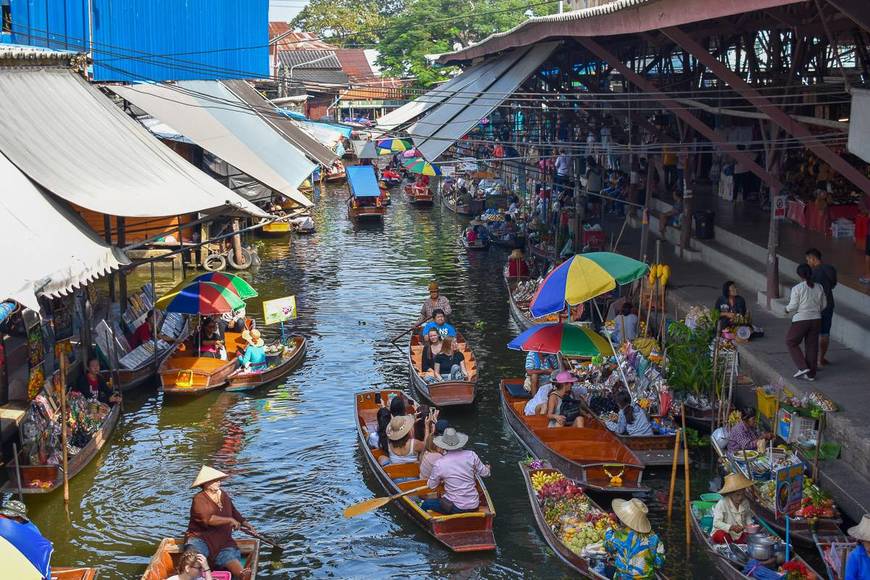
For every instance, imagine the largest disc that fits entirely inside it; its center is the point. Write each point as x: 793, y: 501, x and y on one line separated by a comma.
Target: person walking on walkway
x: 806, y: 305
x: 826, y: 275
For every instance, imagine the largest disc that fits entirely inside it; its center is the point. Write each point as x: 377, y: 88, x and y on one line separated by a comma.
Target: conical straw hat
x: 735, y: 482
x: 632, y: 513
x: 207, y: 475
x: 862, y: 530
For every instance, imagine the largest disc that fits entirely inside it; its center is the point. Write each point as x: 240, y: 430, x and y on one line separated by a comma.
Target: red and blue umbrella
x: 568, y: 339
x: 203, y: 298
x: 24, y: 552
x: 235, y: 283
x: 584, y: 277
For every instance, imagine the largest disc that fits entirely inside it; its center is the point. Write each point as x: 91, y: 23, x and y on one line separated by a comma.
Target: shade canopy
x: 369, y: 151
x: 201, y: 298
x: 583, y: 277
x: 237, y: 284
x: 24, y: 552
x: 421, y: 166
x: 568, y: 339
x: 362, y: 181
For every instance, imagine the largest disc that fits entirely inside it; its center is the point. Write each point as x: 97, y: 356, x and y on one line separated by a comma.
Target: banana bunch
x: 542, y: 478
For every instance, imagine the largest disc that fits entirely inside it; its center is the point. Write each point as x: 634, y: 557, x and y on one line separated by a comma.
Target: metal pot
x: 760, y: 547
x: 779, y: 553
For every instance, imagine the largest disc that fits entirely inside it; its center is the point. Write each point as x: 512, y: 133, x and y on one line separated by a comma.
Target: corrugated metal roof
x: 310, y: 59
x: 24, y: 53
x: 354, y: 63
x: 315, y: 78
x: 292, y: 40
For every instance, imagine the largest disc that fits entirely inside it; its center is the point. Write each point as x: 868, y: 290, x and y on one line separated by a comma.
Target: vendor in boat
x: 192, y: 566
x: 431, y: 349
x: 450, y: 362
x: 91, y: 384
x: 637, y: 551
x: 517, y: 266
x: 539, y: 367
x: 254, y: 357
x: 625, y: 325
x: 562, y: 408
x: 209, y: 339
x: 732, y: 513
x: 632, y: 420
x: 858, y: 562
x: 730, y: 304
x: 16, y: 511
x: 745, y: 436
x: 435, y: 302
x: 458, y: 470
x: 145, y: 332
x: 213, y: 519
x: 440, y: 324
x: 471, y: 235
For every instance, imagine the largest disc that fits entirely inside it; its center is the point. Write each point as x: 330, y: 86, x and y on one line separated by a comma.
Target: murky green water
x: 292, y: 446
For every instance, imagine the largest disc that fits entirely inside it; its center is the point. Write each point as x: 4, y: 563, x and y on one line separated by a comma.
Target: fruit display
x: 815, y: 503
x: 542, y: 478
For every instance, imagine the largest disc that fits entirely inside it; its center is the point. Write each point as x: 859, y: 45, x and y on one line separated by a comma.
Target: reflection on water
x: 291, y: 447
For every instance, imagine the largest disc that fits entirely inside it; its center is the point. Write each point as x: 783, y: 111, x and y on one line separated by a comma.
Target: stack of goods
x: 526, y: 290
x: 815, y: 503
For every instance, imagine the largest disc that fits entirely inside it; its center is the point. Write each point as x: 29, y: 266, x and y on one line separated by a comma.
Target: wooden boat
x: 801, y: 529
x: 590, y: 455
x: 834, y: 549
x: 182, y: 374
x: 573, y: 560
x: 336, y: 172
x: 165, y: 560
x: 477, y: 246
x: 653, y: 450
x: 131, y: 378
x: 701, y: 419
x: 516, y: 242
x: 472, y: 209
x: 356, y: 211
x: 520, y: 308
x: 418, y: 195
x: 53, y: 474
x: 446, y: 393
x: 73, y: 573
x: 731, y: 568
x: 276, y: 228
x: 279, y: 367
x: 467, y: 532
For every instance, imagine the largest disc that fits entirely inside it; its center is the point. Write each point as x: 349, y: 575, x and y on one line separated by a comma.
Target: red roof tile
x: 355, y: 63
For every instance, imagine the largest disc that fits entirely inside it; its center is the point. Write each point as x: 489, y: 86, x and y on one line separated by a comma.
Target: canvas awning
x: 65, y: 135
x: 362, y: 181
x: 457, y: 115
x: 859, y: 124
x: 213, y: 117
x: 54, y: 251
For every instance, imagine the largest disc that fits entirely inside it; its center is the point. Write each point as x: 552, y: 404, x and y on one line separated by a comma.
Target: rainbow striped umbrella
x: 387, y: 146
x: 568, y: 339
x: 583, y: 277
x: 421, y: 166
x: 24, y: 552
x: 203, y: 298
x: 235, y: 283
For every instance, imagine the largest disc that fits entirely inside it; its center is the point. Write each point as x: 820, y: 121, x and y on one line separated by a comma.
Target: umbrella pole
x: 615, y: 353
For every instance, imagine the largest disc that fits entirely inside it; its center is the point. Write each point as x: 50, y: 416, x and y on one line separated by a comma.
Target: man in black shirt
x: 826, y: 275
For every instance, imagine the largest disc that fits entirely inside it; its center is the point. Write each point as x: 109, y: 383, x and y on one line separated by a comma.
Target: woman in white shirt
x: 806, y: 304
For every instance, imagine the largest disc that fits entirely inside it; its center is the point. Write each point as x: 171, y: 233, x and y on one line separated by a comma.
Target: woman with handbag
x: 562, y: 409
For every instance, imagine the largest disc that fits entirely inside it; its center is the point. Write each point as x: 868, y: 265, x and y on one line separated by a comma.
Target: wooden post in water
x: 63, y: 427
x: 674, y: 473
x: 18, y: 470
x: 686, y: 472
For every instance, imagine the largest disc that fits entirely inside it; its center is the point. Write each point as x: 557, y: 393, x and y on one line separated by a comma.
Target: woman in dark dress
x: 730, y: 304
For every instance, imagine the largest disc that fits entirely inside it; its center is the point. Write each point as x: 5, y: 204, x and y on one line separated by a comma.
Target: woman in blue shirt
x: 858, y: 563
x: 254, y: 358
x: 632, y: 420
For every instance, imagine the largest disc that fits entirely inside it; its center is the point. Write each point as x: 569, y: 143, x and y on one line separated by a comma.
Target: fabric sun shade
x: 58, y: 251
x: 368, y: 151
x: 362, y: 181
x: 72, y: 140
x: 201, y: 298
x: 568, y: 339
x: 213, y: 117
x: 583, y: 277
x: 24, y: 552
x: 422, y: 167
x: 230, y: 281
x: 394, y: 145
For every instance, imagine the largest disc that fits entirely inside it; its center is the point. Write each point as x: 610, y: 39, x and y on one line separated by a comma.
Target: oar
x: 262, y: 538
x: 410, y: 329
x: 368, y: 505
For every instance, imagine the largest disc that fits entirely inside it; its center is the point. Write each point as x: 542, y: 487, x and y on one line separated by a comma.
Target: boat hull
x: 446, y: 393
x: 194, y: 376
x: 250, y: 381
x: 73, y: 573
x: 162, y: 564
x: 470, y: 210
x: 478, y: 246
x: 276, y: 229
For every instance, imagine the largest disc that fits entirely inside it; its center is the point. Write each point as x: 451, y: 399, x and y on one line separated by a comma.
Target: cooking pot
x: 760, y: 547
x: 779, y: 553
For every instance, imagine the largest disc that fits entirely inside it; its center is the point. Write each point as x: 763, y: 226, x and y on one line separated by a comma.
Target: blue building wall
x: 155, y: 40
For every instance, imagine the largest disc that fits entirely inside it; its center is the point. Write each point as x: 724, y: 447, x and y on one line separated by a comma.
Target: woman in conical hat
x: 858, y: 563
x: 637, y: 550
x: 732, y: 514
x: 213, y: 519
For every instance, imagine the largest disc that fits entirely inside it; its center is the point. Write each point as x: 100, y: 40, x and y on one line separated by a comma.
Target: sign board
x: 448, y: 170
x: 779, y: 207
x: 789, y: 488
x: 279, y: 309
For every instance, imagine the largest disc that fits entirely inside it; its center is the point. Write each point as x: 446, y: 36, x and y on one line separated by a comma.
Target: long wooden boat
x: 590, y: 455
x: 336, y: 172
x: 365, y: 212
x: 418, y: 195
x: 801, y: 529
x: 164, y: 562
x: 516, y: 242
x: 466, y: 532
x: 182, y: 374
x: 520, y: 308
x: 276, y: 228
x: 446, y: 393
x: 834, y: 550
x: 51, y: 476
x: 472, y: 209
x: 131, y: 378
x: 73, y: 573
x: 653, y: 450
x: 575, y: 561
x: 279, y: 367
x: 478, y: 245
x: 725, y: 564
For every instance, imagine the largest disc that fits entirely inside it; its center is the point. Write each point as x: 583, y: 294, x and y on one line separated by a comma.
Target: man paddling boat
x: 435, y: 302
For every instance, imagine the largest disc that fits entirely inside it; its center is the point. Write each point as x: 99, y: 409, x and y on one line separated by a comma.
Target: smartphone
x: 378, y: 398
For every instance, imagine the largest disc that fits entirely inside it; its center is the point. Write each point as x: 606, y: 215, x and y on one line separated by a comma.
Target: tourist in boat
x: 732, y: 513
x: 91, y: 384
x: 471, y: 236
x: 398, y: 407
x: 209, y: 339
x: 435, y: 302
x: 254, y: 357
x: 235, y: 321
x: 458, y: 470
x: 192, y: 566
x: 562, y: 408
x: 440, y: 324
x: 637, y: 551
x: 431, y: 349
x: 539, y: 367
x: 213, y: 519
x: 402, y: 448
x: 858, y: 562
x: 625, y: 324
x: 745, y: 435
x: 378, y: 439
x: 730, y: 304
x: 450, y: 362
x: 632, y: 419
x: 517, y: 266
x: 431, y: 452
x: 145, y: 332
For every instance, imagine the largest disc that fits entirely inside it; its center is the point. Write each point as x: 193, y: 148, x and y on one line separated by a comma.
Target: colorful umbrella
x: 568, y: 339
x: 235, y: 283
x: 583, y: 277
x: 201, y: 298
x: 387, y: 146
x: 421, y: 166
x: 24, y: 552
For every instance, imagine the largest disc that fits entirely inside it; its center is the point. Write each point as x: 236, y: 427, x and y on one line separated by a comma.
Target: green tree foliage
x: 345, y: 22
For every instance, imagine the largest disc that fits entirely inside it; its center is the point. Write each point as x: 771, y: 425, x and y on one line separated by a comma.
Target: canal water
x: 292, y: 447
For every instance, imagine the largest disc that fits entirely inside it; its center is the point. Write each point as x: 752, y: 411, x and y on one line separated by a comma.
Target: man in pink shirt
x: 458, y: 471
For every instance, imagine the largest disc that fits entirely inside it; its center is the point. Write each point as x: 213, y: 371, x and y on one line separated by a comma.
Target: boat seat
x: 402, y: 470
x: 194, y: 363
x: 580, y: 434
x: 592, y: 452
x: 536, y: 421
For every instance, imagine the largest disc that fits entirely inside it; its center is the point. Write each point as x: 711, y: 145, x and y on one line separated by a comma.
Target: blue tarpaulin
x: 362, y: 180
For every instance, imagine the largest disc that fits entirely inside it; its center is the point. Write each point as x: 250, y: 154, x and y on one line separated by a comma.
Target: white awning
x: 859, y: 125
x: 213, y: 117
x: 49, y: 250
x: 69, y: 138
x: 456, y: 116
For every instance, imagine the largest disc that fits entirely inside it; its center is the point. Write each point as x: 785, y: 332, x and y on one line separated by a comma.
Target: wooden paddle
x: 421, y: 323
x: 262, y: 538
x: 368, y: 505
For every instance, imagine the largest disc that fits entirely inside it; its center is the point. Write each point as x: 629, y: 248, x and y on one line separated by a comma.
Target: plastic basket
x: 766, y: 403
